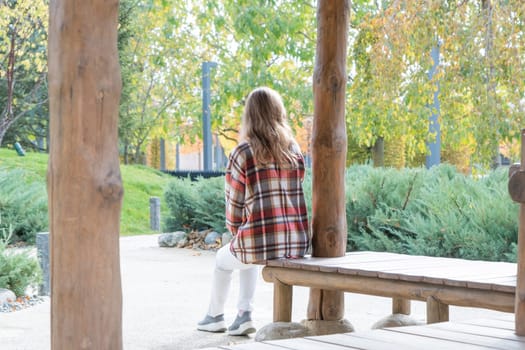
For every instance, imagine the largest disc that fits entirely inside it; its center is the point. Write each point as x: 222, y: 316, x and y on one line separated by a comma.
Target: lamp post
x: 206, y: 115
x: 434, y: 158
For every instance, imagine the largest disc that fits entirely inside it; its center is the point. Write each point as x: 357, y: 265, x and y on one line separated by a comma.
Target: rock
x: 212, y: 237
x: 171, y: 239
x: 282, y: 330
x: 182, y: 243
x: 322, y: 327
x: 226, y: 238
x: 396, y: 320
x: 202, y: 234
x: 6, y: 296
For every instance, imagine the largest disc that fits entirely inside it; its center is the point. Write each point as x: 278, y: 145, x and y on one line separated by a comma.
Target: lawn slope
x: 140, y: 183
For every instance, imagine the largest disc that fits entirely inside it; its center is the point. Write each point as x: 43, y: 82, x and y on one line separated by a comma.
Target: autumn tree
x: 480, y: 75
x: 23, y: 70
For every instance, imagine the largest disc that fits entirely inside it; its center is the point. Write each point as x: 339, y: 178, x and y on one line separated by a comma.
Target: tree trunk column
x: 329, y: 143
x: 84, y: 182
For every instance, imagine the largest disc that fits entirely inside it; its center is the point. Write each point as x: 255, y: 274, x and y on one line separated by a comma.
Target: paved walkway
x: 165, y: 293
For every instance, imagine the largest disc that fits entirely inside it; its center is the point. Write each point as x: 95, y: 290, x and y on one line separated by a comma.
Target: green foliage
x: 18, y: 269
x: 209, y: 204
x: 180, y: 198
x: 23, y: 205
x: 23, y: 88
x: 480, y: 75
x: 437, y: 212
x: 195, y: 204
x: 140, y: 183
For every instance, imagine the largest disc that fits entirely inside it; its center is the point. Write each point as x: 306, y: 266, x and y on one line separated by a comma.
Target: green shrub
x: 437, y: 212
x: 209, y: 204
x: 18, y: 269
x: 23, y: 204
x: 180, y: 200
x: 195, y: 205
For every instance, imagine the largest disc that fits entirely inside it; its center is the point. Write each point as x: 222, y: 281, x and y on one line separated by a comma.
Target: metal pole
x: 162, y: 154
x: 206, y: 115
x: 177, y: 157
x: 434, y: 128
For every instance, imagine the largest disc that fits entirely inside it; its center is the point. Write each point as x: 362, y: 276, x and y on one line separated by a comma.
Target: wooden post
x: 517, y: 193
x: 84, y: 183
x: 282, y: 301
x: 400, y: 306
x: 329, y: 143
x: 436, y: 311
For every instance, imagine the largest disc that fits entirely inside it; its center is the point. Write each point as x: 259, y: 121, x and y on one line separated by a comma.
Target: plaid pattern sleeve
x: 235, y: 191
x: 265, y: 208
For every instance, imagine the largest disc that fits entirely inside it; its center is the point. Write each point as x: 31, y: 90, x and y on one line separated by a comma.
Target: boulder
x: 322, y: 327
x: 171, y: 239
x: 212, y: 238
x: 6, y: 296
x: 282, y: 330
x: 396, y: 320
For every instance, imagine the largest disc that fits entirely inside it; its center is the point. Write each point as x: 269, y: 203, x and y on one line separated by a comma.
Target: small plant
x: 180, y: 198
x: 18, y: 269
x: 23, y: 203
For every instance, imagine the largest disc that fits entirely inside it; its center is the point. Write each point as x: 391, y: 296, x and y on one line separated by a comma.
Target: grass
x: 140, y: 183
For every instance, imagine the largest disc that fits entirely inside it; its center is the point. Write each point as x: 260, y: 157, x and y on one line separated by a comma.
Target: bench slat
x: 483, y: 275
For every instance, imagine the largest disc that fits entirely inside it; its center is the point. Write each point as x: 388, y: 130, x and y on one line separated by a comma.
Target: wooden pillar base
x: 396, y: 320
x: 282, y: 330
x: 322, y: 327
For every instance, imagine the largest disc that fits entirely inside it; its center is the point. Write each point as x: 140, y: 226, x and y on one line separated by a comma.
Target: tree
x: 23, y: 57
x: 480, y: 100
x: 84, y: 181
x: 162, y: 65
x: 329, y: 227
x: 259, y: 43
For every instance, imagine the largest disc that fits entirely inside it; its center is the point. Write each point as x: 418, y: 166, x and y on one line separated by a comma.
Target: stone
x: 212, y: 237
x: 182, y: 243
x: 171, y: 239
x: 396, y: 320
x: 154, y: 213
x: 226, y: 238
x: 282, y: 330
x: 202, y: 234
x: 42, y: 246
x: 322, y: 327
x: 6, y: 296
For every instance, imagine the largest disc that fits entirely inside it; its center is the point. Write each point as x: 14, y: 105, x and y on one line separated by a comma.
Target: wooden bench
x: 439, y: 282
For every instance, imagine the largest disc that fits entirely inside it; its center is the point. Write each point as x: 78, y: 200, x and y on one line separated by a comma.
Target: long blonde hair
x: 265, y: 127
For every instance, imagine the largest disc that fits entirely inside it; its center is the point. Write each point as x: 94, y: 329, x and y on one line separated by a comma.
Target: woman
x: 265, y: 207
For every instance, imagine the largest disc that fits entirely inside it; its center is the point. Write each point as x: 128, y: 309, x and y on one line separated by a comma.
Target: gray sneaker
x: 242, y: 325
x: 212, y: 324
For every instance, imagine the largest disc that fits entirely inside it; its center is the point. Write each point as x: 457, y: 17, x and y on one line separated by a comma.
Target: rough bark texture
x: 519, y: 308
x: 84, y: 182
x: 329, y: 142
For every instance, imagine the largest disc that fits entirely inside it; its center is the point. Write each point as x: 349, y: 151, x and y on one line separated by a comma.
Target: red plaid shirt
x: 265, y: 208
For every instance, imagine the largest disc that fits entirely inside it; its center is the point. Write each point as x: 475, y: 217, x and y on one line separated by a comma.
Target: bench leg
x: 436, y: 311
x: 400, y: 306
x: 282, y: 301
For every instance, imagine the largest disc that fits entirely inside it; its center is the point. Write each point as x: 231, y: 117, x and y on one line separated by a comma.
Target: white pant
x: 225, y: 263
